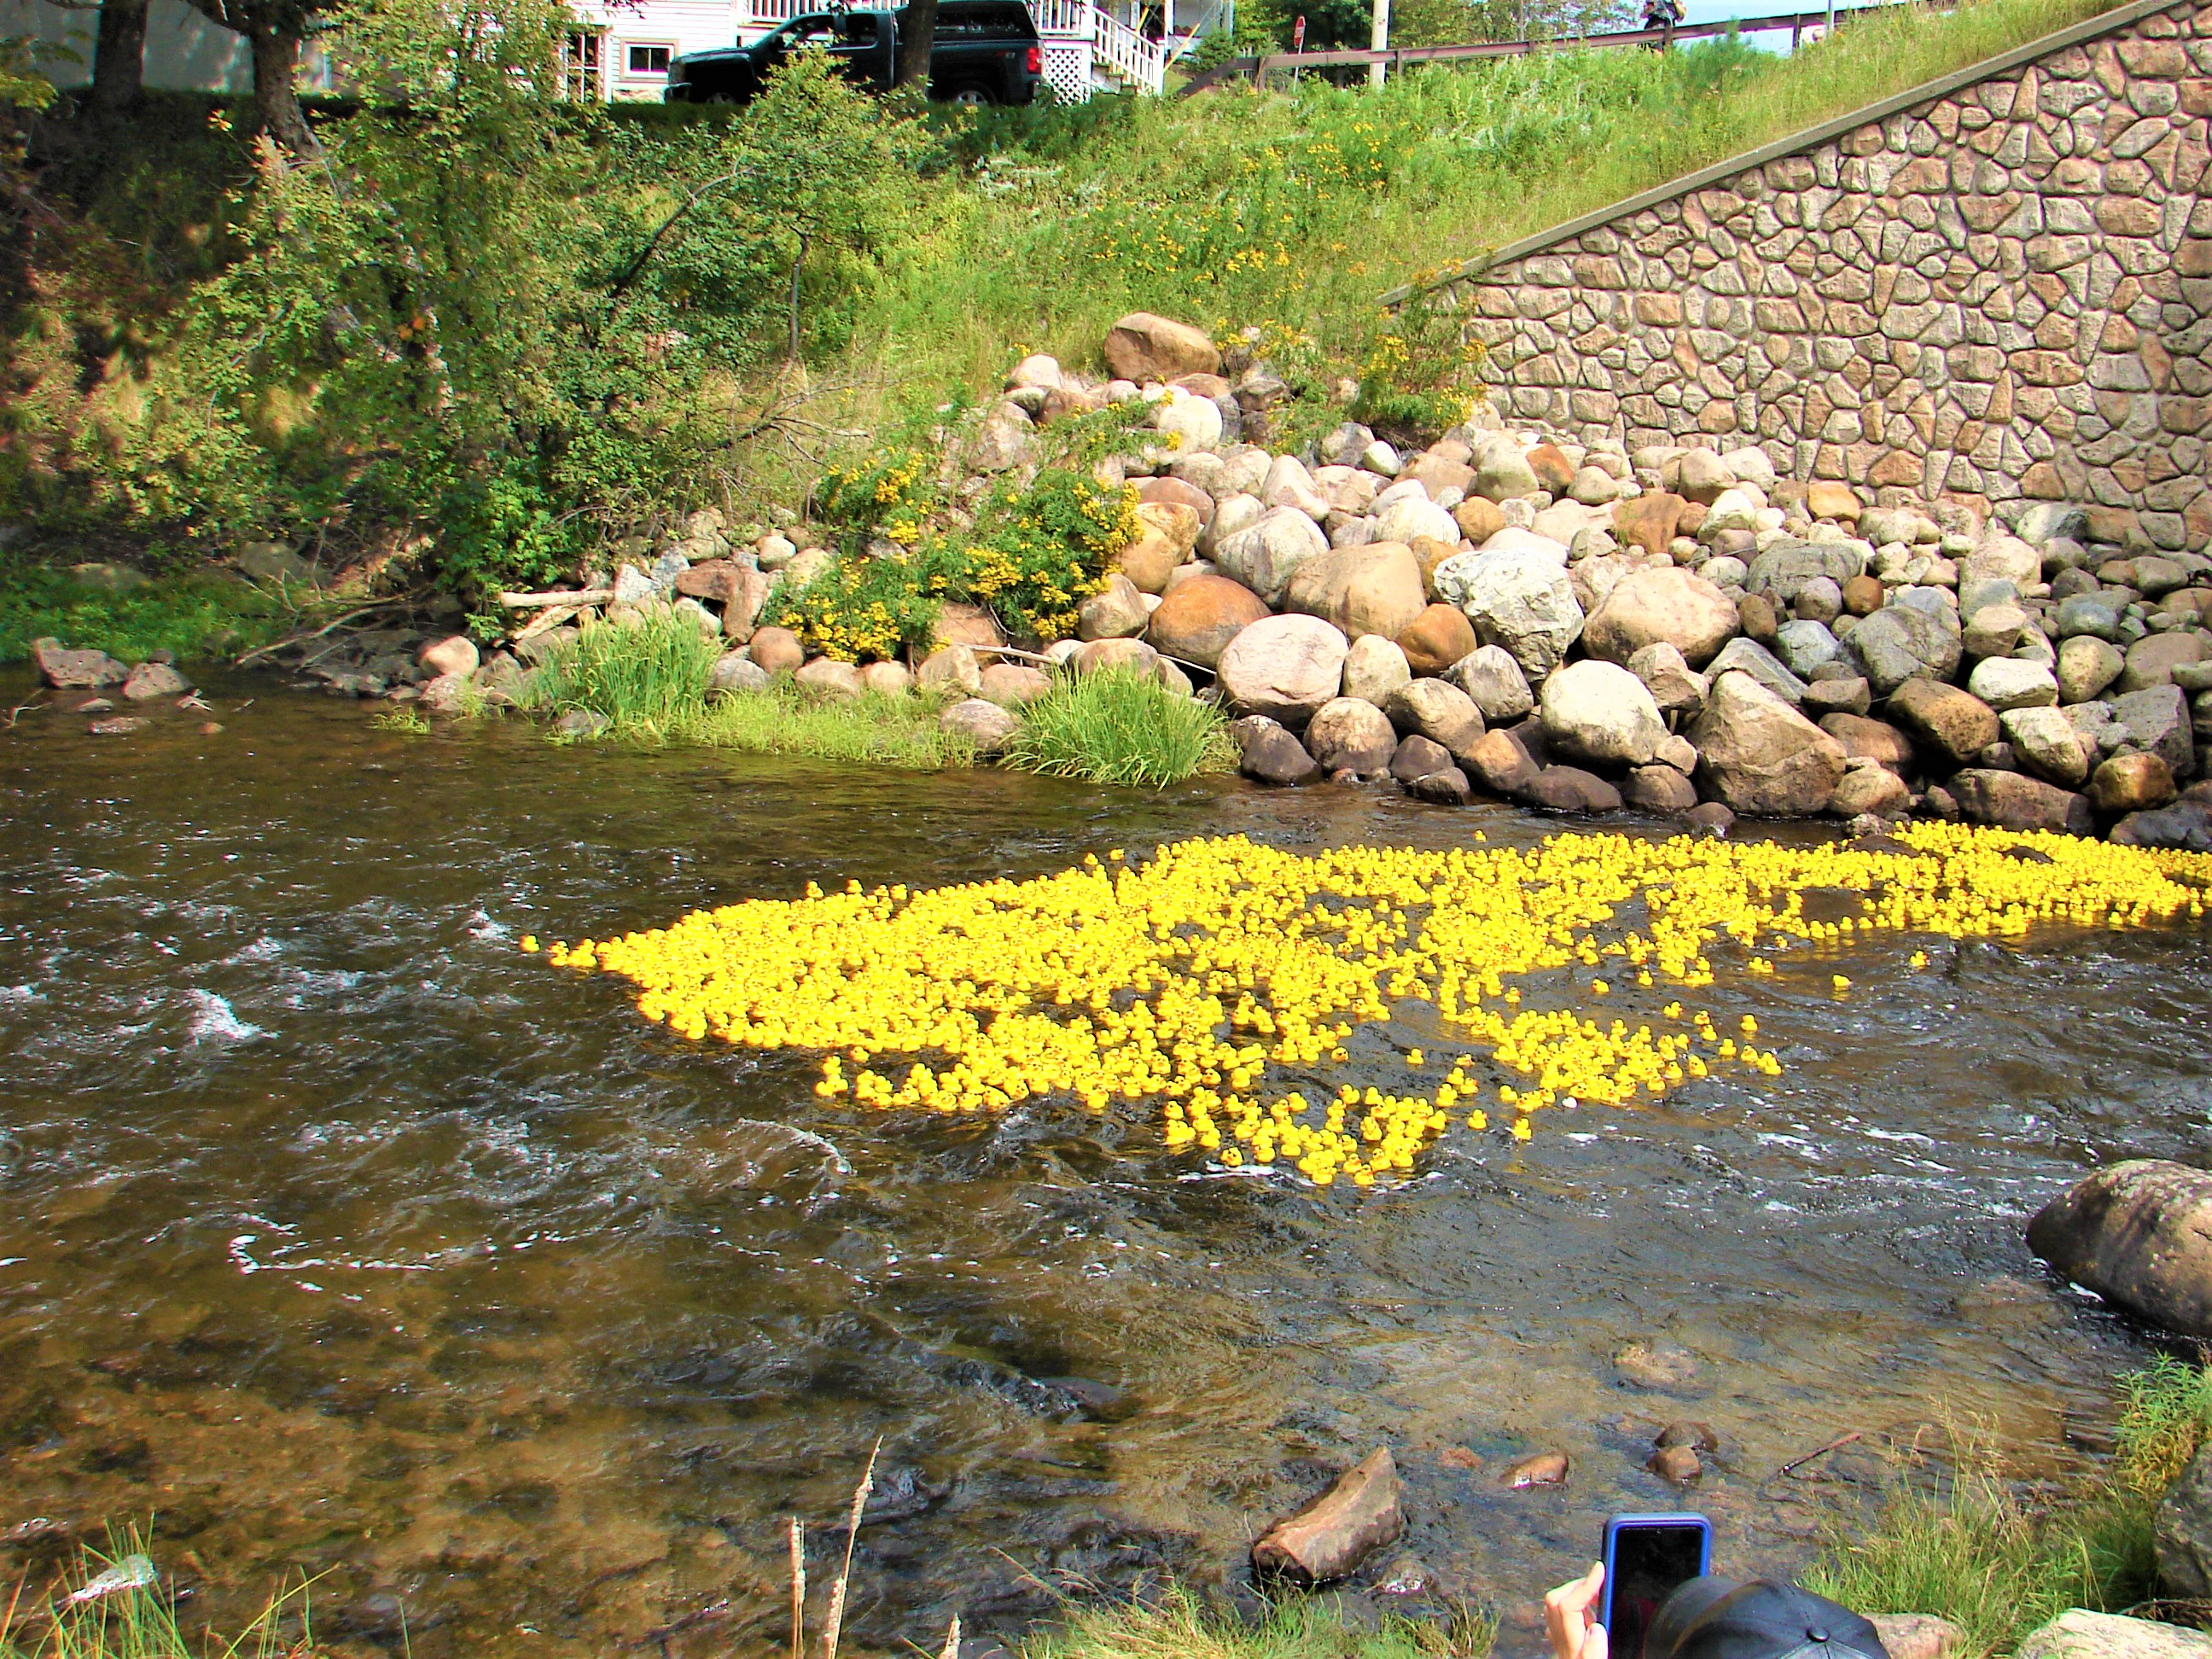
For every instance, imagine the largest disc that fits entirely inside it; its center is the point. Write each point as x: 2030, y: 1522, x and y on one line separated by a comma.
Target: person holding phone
x: 1694, y: 1615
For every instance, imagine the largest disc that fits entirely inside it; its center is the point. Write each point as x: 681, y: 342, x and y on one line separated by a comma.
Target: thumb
x: 1594, y: 1646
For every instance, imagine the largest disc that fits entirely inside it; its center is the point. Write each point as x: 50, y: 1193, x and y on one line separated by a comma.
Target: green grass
x: 872, y: 730
x: 196, y: 616
x: 1177, y: 1625
x: 1968, y: 1547
x: 138, y: 1621
x: 1120, y: 728
x: 1299, y: 209
x: 647, y: 677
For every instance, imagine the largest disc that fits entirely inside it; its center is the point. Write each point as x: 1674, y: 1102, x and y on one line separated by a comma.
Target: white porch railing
x: 1103, y: 42
x: 776, y: 11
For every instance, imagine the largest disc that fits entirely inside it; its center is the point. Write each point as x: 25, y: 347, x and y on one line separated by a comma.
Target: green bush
x: 646, y: 677
x: 1123, y: 728
x: 195, y: 616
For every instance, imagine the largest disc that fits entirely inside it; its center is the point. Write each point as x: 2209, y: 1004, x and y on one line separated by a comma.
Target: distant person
x: 1712, y: 1618
x: 1664, y: 15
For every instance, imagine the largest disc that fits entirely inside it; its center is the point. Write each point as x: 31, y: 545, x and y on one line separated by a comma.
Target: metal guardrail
x: 1258, y: 68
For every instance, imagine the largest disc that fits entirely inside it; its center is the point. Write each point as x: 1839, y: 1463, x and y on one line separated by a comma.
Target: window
x: 581, y: 64
x: 649, y: 60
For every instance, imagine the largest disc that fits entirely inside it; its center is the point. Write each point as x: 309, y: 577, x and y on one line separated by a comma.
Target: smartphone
x: 1646, y: 1556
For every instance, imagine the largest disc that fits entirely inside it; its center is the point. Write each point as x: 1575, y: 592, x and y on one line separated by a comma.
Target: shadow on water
x: 341, y: 1238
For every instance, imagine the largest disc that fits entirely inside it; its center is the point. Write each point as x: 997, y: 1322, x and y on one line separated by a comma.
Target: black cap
x: 1757, y: 1619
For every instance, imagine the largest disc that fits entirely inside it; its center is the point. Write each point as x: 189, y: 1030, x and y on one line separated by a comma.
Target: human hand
x: 1571, y: 1617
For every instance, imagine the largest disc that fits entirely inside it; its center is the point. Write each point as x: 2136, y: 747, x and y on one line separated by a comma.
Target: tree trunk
x: 275, y: 95
x: 118, y: 61
x: 917, y: 39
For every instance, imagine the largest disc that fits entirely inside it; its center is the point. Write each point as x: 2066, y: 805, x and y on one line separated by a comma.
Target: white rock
x: 2006, y: 682
x: 1404, y: 519
x: 1519, y: 599
x: 1600, y: 712
x: 1284, y: 667
x: 1374, y: 668
x: 1267, y: 555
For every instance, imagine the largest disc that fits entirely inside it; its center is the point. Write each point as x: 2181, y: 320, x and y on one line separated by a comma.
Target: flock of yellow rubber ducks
x: 1223, y: 978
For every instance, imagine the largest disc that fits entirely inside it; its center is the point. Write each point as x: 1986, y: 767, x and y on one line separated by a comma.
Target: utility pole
x: 1379, y: 39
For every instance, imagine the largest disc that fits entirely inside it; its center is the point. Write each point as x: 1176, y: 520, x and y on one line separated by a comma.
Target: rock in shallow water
x: 2138, y: 1234
x: 1331, y: 1535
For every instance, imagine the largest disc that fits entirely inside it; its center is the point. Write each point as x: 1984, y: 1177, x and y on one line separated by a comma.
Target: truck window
x: 860, y: 28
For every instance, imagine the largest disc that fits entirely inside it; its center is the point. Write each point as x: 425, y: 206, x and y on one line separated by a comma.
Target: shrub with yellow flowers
x: 1228, y: 983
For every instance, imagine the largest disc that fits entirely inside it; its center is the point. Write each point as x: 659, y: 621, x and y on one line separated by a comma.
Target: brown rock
x: 1199, y: 618
x: 1416, y: 756
x: 1761, y: 756
x: 455, y: 654
x: 1826, y: 499
x: 1660, y: 790
x: 1852, y: 696
x: 1285, y: 668
x: 1144, y: 347
x: 1917, y: 1635
x: 64, y: 669
x: 2130, y: 783
x: 885, y: 679
x: 1428, y: 552
x: 1331, y: 1535
x: 1553, y: 471
x: 1437, y: 639
x: 2139, y: 1234
x: 1439, y: 711
x: 1011, y: 684
x: 1539, y: 1469
x: 1953, y: 724
x: 1499, y: 764
x: 1166, y: 530
x: 1676, y: 1465
x: 954, y: 668
x: 1116, y: 611
x: 118, y: 726
x: 1669, y: 605
x: 1208, y: 386
x: 1175, y: 492
x: 1272, y: 754
x: 1348, y: 735
x: 1571, y: 789
x: 1863, y: 597
x: 1688, y: 1431
x: 1874, y: 789
x: 1374, y: 589
x: 150, y: 680
x: 986, y: 724
x: 712, y: 582
x: 1110, y: 656
x: 1651, y: 521
x: 2013, y: 800
x: 1459, y: 1457
x: 1875, y: 740
x: 960, y: 623
x: 1755, y: 616
x: 777, y: 650
x: 1479, y: 518
x: 829, y: 679
x: 1447, y: 786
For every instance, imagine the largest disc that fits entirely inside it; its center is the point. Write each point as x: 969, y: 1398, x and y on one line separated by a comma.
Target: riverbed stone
x: 1901, y: 642
x: 1600, y: 712
x: 986, y: 724
x: 2158, y: 719
x: 828, y: 678
x: 2013, y: 800
x: 2130, y: 783
x: 1849, y: 696
x: 1267, y: 555
x: 2006, y: 682
x: 1571, y: 789
x: 1494, y: 679
x: 67, y: 670
x: 1437, y: 710
x: 1132, y: 657
x: 1437, y: 639
x: 1500, y: 763
x: 1517, y: 600
x: 954, y: 667
x: 2152, y: 659
x: 1416, y: 756
x: 1761, y: 757
x: 1198, y: 617
x: 892, y: 679
x: 151, y: 680
x: 1446, y: 787
x: 1659, y: 789
x: 735, y: 671
x: 1373, y: 669
x: 1373, y: 589
x: 1331, y: 1535
x: 1272, y: 754
x: 2078, y: 1634
x: 1950, y: 724
x: 2086, y: 665
x: 1678, y: 689
x: 2139, y: 1234
x: 1351, y: 734
x: 1285, y: 668
x: 1747, y: 656
x: 2046, y: 743
x: 1667, y: 605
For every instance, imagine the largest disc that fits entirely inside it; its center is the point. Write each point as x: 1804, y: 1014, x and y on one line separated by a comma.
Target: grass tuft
x: 646, y: 677
x: 1120, y: 728
x: 1178, y: 1626
x: 871, y: 730
x: 114, y: 1606
x: 196, y: 616
x: 1970, y: 1549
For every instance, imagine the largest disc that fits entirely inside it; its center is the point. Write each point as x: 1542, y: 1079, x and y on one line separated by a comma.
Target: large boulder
x: 1494, y: 679
x: 1874, y: 740
x: 1951, y: 725
x: 2046, y: 743
x: 1517, y: 600
x: 1571, y: 789
x: 1199, y: 616
x: 151, y: 680
x: 1649, y: 521
x: 1674, y: 684
x: 1502, y: 473
x: 1348, y: 734
x: 1759, y: 756
x: 1412, y: 516
x: 2078, y: 1633
x: 1166, y: 532
x: 2130, y: 783
x: 2139, y: 1234
x: 1373, y: 589
x: 1284, y: 667
x: 1782, y: 572
x: 2087, y: 665
x: 2006, y: 682
x: 1900, y: 642
x: 1331, y: 1535
x: 986, y: 724
x: 1601, y: 712
x: 1500, y: 763
x: 2158, y: 722
x: 2013, y: 800
x: 1143, y: 347
x: 67, y: 670
x: 1270, y: 754
x: 1661, y: 606
x: 2182, y: 1534
x: 1374, y: 668
x: 1267, y: 555
x: 1116, y: 611
x: 1438, y: 711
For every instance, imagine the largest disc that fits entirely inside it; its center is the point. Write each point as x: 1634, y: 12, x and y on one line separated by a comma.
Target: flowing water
x: 341, y: 1238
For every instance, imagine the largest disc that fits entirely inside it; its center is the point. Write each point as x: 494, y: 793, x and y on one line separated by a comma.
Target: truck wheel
x: 971, y: 95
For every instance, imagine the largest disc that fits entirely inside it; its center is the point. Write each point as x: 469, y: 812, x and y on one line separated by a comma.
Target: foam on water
x: 214, y: 1020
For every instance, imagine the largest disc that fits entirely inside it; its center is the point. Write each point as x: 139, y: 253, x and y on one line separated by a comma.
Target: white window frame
x: 632, y: 73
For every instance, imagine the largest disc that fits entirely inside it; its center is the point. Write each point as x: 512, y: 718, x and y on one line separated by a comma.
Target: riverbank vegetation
x: 1962, y: 1542
x: 193, y: 614
x: 489, y: 334
x: 1121, y: 728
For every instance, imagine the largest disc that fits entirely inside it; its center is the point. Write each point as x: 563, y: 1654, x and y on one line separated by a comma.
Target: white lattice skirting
x: 1067, y: 69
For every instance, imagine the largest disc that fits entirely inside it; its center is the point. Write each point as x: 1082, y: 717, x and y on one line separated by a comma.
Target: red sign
x: 1298, y: 35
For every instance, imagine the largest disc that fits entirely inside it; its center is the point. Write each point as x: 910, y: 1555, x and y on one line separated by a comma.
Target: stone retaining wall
x: 1997, y: 288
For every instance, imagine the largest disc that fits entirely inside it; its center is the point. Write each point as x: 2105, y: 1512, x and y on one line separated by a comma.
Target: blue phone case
x: 1678, y: 1518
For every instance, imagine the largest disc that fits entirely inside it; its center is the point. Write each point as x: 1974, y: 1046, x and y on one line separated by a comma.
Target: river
x: 343, y: 1239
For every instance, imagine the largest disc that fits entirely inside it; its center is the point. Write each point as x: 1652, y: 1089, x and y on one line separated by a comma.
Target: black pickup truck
x: 987, y: 51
